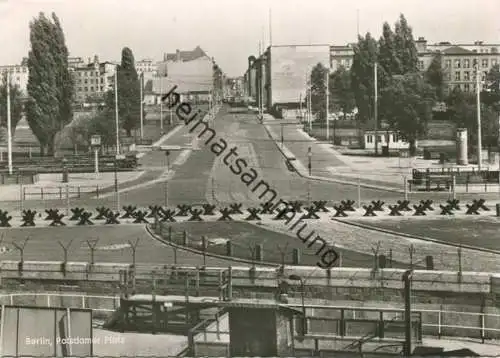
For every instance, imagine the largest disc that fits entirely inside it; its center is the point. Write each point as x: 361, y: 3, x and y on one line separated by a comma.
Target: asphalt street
x: 199, y: 176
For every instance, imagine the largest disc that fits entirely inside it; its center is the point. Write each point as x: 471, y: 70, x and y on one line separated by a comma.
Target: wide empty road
x: 197, y: 175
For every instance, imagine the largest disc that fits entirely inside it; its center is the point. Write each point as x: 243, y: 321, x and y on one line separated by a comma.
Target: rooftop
x: 185, y: 56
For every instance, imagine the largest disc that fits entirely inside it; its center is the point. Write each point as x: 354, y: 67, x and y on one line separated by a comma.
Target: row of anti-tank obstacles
x: 83, y: 216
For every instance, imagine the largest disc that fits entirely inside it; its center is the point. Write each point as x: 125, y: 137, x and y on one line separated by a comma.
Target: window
x: 466, y: 87
x: 102, y: 88
x: 86, y: 81
x: 457, y: 76
x: 447, y: 64
x: 395, y: 138
x: 92, y: 88
x: 86, y: 89
x: 466, y: 63
x: 97, y: 74
x: 466, y: 76
x: 379, y: 139
x: 494, y: 62
x: 484, y: 62
x: 421, y: 65
x: 24, y: 69
x: 102, y: 80
x: 369, y: 139
x: 447, y: 76
x: 457, y: 63
x: 484, y: 75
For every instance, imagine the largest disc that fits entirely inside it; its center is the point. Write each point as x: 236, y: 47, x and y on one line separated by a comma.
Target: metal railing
x: 85, y: 301
x: 423, y: 315
x: 59, y: 192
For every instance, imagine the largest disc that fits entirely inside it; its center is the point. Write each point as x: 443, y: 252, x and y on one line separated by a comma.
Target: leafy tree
x: 103, y: 123
x: 491, y: 93
x: 16, y: 104
x: 50, y: 85
x: 390, y: 63
x: 405, y: 47
x: 435, y: 76
x: 362, y: 75
x: 129, y: 102
x: 341, y: 90
x: 318, y: 90
x: 411, y: 100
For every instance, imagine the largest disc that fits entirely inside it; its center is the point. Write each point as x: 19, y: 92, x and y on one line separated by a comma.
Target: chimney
x: 178, y: 55
x: 96, y: 59
x: 165, y: 57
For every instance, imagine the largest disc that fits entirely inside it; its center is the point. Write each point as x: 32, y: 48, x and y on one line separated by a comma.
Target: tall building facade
x: 460, y: 61
x: 18, y: 76
x: 194, y: 71
x: 93, y: 80
x: 148, y: 67
x: 280, y: 72
x: 341, y: 56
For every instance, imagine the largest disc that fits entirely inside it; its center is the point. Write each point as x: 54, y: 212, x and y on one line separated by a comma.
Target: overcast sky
x: 230, y: 30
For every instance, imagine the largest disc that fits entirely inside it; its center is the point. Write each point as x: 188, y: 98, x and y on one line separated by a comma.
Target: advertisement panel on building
x: 291, y: 67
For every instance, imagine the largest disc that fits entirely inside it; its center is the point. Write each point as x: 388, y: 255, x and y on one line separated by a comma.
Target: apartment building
x: 18, y: 75
x: 93, y: 80
x: 460, y: 61
x: 148, y: 67
x: 341, y: 56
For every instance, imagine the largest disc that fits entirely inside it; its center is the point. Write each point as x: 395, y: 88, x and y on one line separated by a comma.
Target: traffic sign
x: 95, y: 140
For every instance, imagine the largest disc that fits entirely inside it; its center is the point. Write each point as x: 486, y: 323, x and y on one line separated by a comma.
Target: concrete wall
x: 469, y: 299
x: 424, y: 281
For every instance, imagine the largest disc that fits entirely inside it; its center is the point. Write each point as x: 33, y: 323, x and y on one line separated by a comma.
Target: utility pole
x: 161, y: 104
x: 270, y: 28
x: 117, y: 122
x: 300, y: 108
x: 327, y: 93
x: 142, y: 105
x: 9, y: 126
x: 309, y: 105
x: 478, y: 104
x: 375, y: 105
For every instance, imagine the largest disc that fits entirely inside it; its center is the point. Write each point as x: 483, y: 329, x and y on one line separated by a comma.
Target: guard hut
x: 262, y: 329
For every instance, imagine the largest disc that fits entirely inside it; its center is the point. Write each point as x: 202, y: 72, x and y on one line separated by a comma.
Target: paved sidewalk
x: 51, y: 183
x: 326, y: 163
x: 329, y: 164
x: 50, y: 186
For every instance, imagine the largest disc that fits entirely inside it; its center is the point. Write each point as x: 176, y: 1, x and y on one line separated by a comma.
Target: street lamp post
x: 117, y: 121
x: 117, y: 192
x: 9, y: 126
x: 309, y: 164
x: 142, y: 104
x: 302, y: 290
x: 167, y: 156
x: 478, y: 105
x: 282, y: 137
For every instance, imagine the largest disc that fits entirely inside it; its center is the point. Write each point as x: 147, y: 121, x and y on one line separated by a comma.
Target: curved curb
x: 330, y: 180
x: 415, y: 237
x: 198, y: 252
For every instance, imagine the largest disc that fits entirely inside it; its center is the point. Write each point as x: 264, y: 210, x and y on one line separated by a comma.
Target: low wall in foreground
x: 463, y: 304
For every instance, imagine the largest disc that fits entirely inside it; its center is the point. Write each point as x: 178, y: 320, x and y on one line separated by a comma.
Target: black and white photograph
x: 249, y: 178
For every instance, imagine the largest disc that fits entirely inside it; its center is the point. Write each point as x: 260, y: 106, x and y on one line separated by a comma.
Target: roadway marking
x: 166, y: 175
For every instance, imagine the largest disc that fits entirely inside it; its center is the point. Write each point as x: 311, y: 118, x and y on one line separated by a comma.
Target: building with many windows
x: 148, y: 67
x: 18, y: 75
x: 93, y: 80
x: 459, y: 61
x: 341, y: 56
